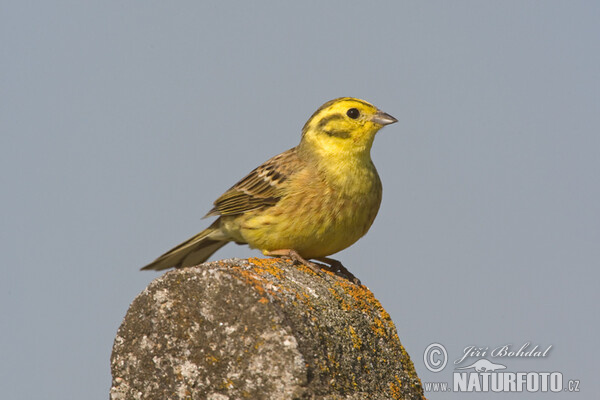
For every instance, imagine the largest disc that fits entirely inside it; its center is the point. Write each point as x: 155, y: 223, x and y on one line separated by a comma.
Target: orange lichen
x: 267, y: 266
x: 307, y: 269
x: 378, y: 327
x: 268, y: 279
x: 257, y: 280
x: 395, y: 388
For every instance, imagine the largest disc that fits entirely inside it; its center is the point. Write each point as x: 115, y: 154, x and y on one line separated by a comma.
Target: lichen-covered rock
x: 259, y: 329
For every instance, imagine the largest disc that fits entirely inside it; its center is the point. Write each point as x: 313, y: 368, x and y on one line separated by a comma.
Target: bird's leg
x: 338, y: 268
x: 294, y: 256
x: 331, y: 264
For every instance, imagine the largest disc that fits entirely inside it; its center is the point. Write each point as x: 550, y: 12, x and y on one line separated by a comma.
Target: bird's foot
x: 338, y: 268
x: 330, y: 265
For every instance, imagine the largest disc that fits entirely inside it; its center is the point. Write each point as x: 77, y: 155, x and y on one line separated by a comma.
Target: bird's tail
x: 193, y: 251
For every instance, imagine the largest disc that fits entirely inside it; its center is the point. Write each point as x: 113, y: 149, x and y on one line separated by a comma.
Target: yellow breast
x: 317, y: 217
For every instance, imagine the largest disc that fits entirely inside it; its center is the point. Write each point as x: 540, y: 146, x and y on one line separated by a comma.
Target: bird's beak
x: 383, y: 118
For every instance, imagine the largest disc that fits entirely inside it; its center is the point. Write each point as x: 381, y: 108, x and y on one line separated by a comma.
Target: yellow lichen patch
x: 363, y: 299
x: 227, y: 384
x: 211, y: 359
x: 356, y: 342
x: 341, y: 299
x: 323, y: 367
x: 333, y: 360
x: 258, y: 344
x: 263, y: 300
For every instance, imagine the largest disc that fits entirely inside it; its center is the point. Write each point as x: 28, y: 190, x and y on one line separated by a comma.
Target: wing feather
x: 260, y: 188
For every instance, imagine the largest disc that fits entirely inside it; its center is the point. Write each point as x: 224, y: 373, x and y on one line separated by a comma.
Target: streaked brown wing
x: 260, y: 188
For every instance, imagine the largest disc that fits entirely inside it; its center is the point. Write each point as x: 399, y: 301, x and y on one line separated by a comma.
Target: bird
x: 306, y: 203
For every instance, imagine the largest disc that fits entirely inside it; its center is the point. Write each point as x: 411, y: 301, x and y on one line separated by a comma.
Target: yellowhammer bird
x: 306, y: 203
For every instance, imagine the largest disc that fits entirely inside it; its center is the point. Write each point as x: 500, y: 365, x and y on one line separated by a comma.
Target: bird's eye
x: 353, y: 113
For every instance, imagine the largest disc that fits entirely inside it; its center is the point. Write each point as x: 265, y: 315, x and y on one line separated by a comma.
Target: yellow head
x: 343, y: 126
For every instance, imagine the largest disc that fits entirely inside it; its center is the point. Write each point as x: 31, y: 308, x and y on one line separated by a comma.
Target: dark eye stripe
x: 337, y: 133
x: 352, y: 101
x: 340, y: 134
x: 324, y: 121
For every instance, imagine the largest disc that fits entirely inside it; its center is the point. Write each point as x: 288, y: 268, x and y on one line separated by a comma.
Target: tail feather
x: 193, y: 251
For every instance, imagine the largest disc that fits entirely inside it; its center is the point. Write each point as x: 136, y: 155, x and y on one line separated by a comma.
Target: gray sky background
x: 121, y: 122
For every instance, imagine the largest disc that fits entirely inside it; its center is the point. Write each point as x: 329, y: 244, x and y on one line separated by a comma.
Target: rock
x: 259, y: 329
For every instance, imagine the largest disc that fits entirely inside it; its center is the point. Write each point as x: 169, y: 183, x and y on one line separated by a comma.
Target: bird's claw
x: 328, y: 264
